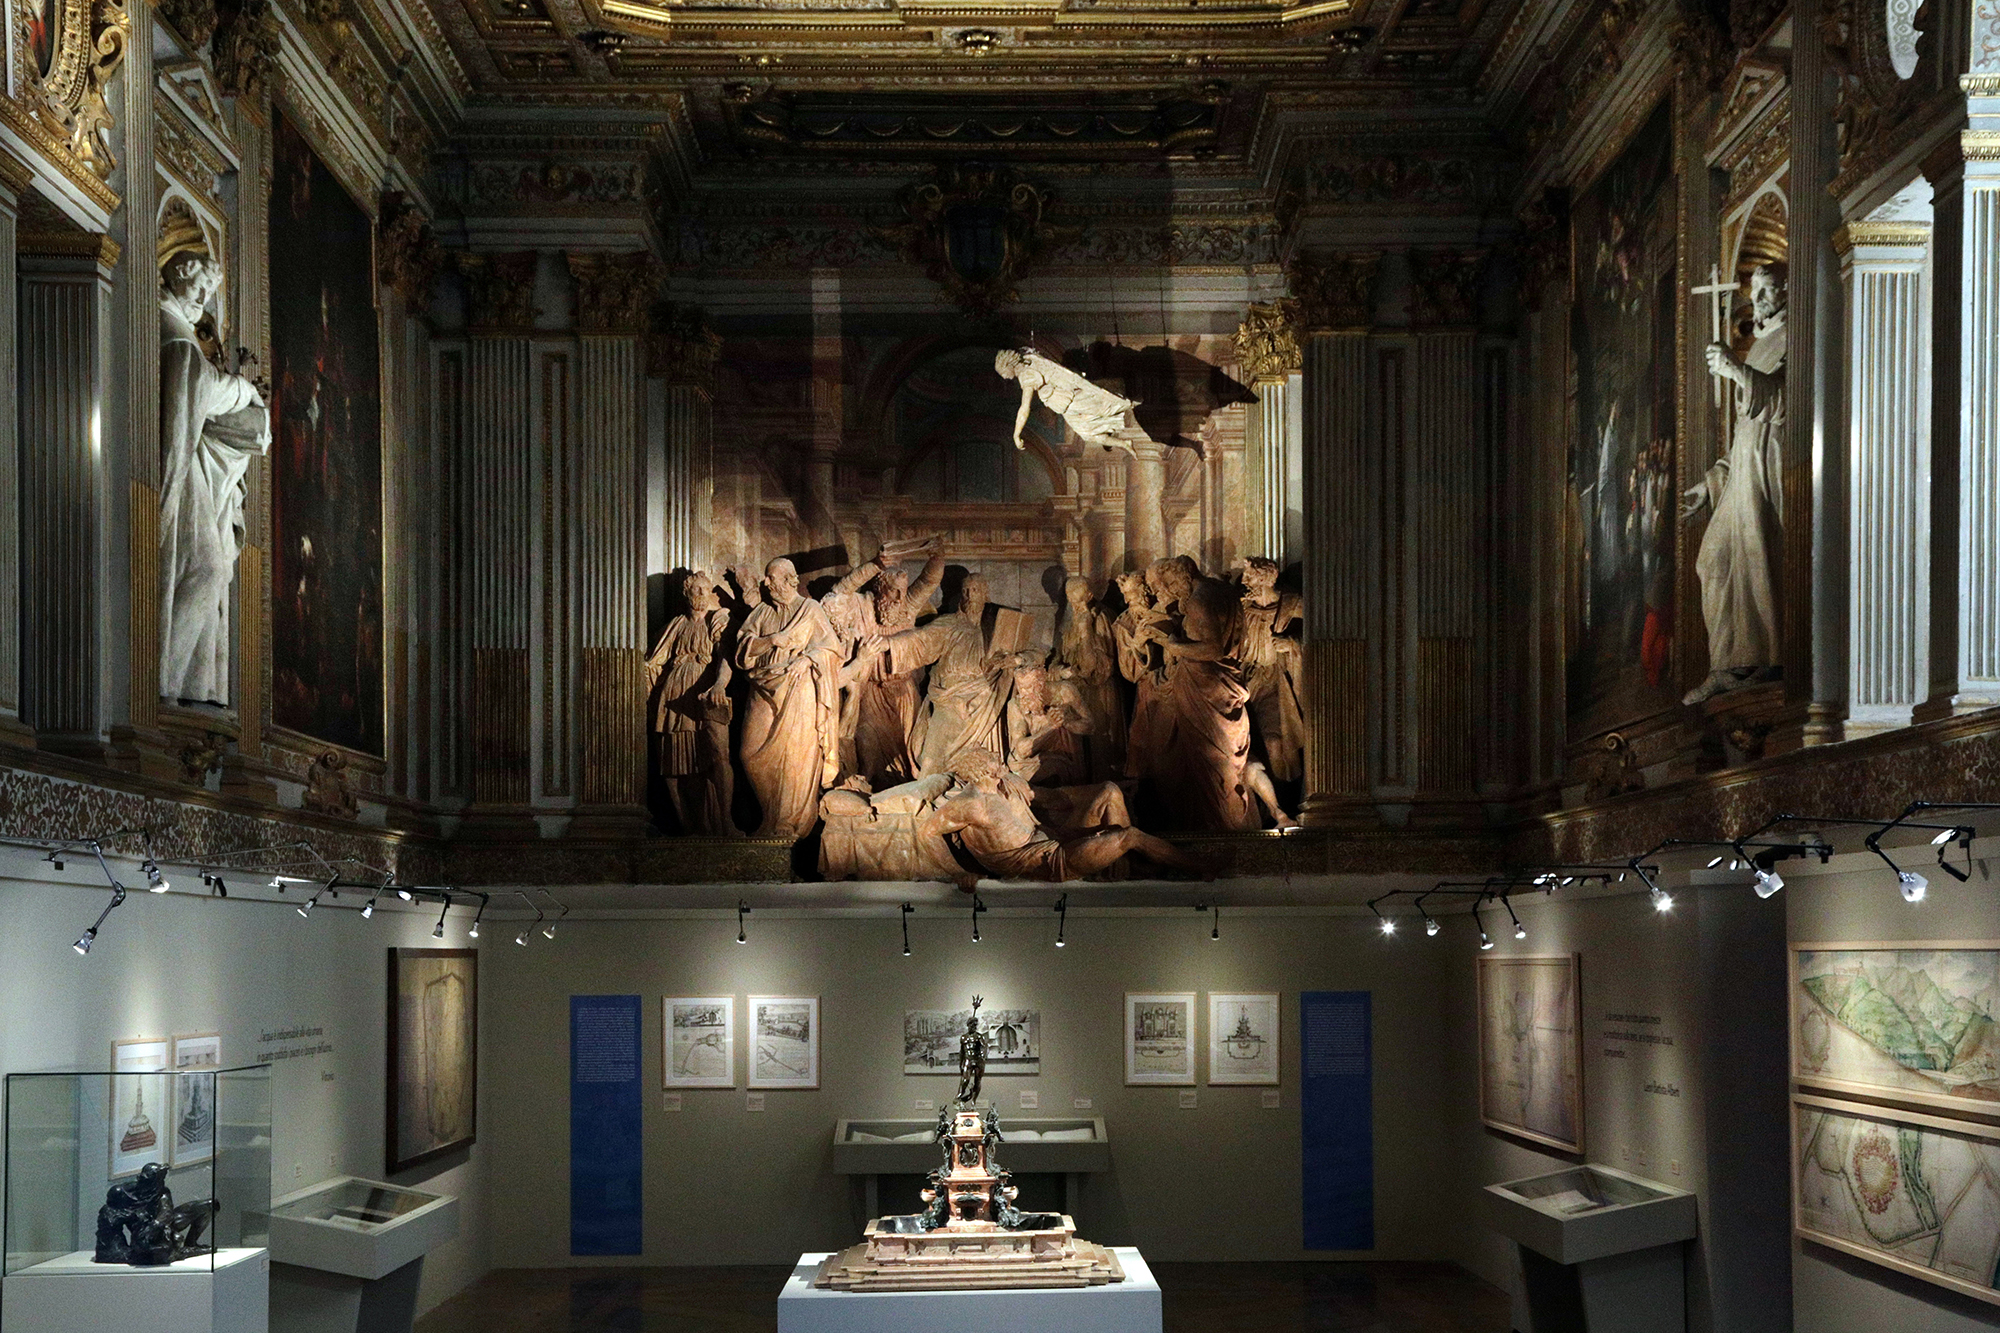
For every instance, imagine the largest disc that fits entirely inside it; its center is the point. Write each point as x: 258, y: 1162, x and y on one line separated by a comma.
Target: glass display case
x: 88, y: 1155
x: 361, y: 1228
x: 1600, y: 1250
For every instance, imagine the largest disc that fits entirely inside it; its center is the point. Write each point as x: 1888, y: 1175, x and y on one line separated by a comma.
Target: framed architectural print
x: 195, y: 1058
x: 1911, y: 1022
x: 1159, y: 1038
x: 1531, y: 1049
x: 433, y: 1054
x: 140, y: 1120
x: 1242, y: 1038
x: 698, y: 1045
x: 1903, y: 1189
x: 784, y: 1041
x: 931, y: 1037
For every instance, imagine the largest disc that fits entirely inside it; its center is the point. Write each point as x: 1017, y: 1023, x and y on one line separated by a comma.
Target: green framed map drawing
x: 1907, y: 1021
x: 1909, y: 1191
x: 1531, y: 1049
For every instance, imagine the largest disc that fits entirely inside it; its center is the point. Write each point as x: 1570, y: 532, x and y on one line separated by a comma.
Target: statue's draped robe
x: 1135, y: 663
x: 1739, y: 561
x: 1096, y: 414
x: 792, y: 658
x: 691, y: 734
x: 1086, y: 648
x: 1275, y: 706
x: 964, y: 704
x: 1206, y: 722
x: 887, y: 700
x: 211, y: 425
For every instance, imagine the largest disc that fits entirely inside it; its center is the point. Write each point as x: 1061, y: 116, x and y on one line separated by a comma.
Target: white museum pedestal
x: 1131, y: 1306
x: 73, y: 1295
x: 336, y: 1273
x: 1601, y: 1251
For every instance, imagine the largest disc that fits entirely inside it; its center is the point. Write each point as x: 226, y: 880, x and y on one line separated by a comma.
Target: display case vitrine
x: 134, y: 1198
x: 1600, y: 1249
x: 349, y: 1254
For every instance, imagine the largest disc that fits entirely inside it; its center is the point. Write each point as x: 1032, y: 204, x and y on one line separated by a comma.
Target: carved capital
x: 194, y: 20
x: 1444, y: 287
x: 614, y: 293
x: 1544, y: 244
x: 499, y: 289
x: 406, y: 252
x: 1267, y: 341
x: 682, y: 349
x: 247, y: 40
x: 1336, y: 294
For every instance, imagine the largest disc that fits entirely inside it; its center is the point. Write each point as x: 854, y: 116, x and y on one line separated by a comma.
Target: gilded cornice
x: 1849, y: 235
x: 1980, y: 145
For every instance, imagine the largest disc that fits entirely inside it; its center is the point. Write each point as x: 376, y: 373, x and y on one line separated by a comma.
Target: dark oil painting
x: 1622, y: 446
x: 326, y: 456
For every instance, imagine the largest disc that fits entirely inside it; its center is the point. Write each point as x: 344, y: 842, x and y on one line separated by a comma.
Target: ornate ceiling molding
x: 974, y: 229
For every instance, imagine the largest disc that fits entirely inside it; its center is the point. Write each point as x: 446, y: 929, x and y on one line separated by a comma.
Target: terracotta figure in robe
x: 990, y: 813
x: 688, y: 675
x: 790, y: 748
x: 1206, y: 778
x: 967, y: 692
x: 886, y: 700
x: 1137, y: 635
x: 1085, y: 647
x: 1271, y: 659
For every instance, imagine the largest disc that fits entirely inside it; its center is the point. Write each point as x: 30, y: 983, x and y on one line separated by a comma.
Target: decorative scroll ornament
x: 194, y: 20
x: 1339, y: 293
x: 1544, y: 244
x: 683, y: 349
x: 1699, y: 39
x: 1267, y: 341
x: 407, y: 254
x: 499, y: 289
x: 1875, y: 97
x: 975, y: 229
x: 71, y: 67
x: 247, y: 41
x: 1445, y: 287
x: 615, y: 293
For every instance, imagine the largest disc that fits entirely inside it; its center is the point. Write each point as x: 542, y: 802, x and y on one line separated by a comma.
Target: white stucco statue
x: 1097, y: 415
x: 212, y: 424
x: 1742, y: 552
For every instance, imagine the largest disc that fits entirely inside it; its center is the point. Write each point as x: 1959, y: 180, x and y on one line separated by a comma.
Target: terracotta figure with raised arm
x: 790, y: 747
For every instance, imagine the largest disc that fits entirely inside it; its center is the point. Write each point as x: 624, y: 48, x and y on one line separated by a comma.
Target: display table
x: 350, y: 1255
x: 1600, y: 1250
x: 1131, y: 1306
x: 227, y: 1292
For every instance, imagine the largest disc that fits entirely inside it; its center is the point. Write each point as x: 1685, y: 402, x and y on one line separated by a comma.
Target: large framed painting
x: 433, y: 1054
x: 1907, y: 1021
x: 326, y: 455
x: 1622, y: 499
x: 1531, y: 1049
x: 1913, y: 1192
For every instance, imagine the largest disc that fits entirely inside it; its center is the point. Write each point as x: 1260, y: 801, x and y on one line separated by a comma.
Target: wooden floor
x: 1199, y: 1298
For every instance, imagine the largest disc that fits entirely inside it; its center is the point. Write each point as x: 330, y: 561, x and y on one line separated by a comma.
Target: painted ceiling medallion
x: 975, y: 229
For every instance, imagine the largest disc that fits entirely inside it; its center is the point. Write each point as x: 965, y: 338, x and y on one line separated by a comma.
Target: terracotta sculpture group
x: 923, y: 744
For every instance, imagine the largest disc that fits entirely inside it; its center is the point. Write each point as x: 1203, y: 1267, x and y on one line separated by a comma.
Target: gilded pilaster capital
x: 1267, y: 341
x: 1337, y: 294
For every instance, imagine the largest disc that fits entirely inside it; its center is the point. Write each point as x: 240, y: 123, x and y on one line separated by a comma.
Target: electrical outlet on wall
x: 1674, y: 1167
x: 329, y: 1162
x: 298, y: 1170
x: 671, y: 1102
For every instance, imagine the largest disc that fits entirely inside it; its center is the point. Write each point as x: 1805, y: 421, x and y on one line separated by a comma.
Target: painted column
x: 614, y: 301
x: 14, y: 179
x: 1145, y: 505
x: 63, y: 360
x: 1888, y: 455
x: 1342, y: 477
x: 1269, y: 354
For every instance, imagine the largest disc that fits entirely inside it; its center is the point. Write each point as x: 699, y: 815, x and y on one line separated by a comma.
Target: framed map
x: 1531, y: 1049
x: 141, y: 1121
x: 699, y: 1042
x: 784, y: 1041
x: 1013, y: 1040
x: 1242, y: 1038
x: 1915, y: 1022
x: 1159, y: 1038
x: 432, y: 1100
x: 1902, y: 1189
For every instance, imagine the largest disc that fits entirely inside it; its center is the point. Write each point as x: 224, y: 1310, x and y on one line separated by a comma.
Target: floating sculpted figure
x: 1742, y: 552
x: 140, y: 1226
x: 968, y: 687
x: 1097, y: 415
x: 688, y: 675
x: 991, y: 815
x: 1085, y: 647
x: 791, y: 750
x: 212, y: 424
x: 1137, y: 635
x: 1271, y: 657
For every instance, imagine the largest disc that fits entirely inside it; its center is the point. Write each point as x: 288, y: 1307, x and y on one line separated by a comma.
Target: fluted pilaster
x: 1269, y: 351
x: 1978, y: 682
x: 13, y: 180
x: 135, y: 655
x: 611, y: 578
x: 495, y: 564
x: 1343, y: 481
x: 683, y: 353
x: 1888, y: 455
x: 1446, y: 514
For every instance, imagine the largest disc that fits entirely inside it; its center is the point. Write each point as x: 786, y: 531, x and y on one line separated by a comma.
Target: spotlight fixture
x: 522, y: 939
x: 89, y: 937
x: 1485, y: 942
x: 907, y: 909
x: 742, y: 910
x: 221, y: 889
x: 1714, y: 863
x: 1767, y: 882
x: 305, y: 908
x: 977, y: 908
x: 1431, y: 926
x: 55, y: 858
x: 1215, y: 932
x: 549, y: 931
x: 1940, y: 840
x: 1388, y: 925
x: 1062, y: 918
x: 1520, y: 931
x: 84, y: 941
x: 155, y: 881
x: 1913, y: 885
x: 404, y: 894
x: 473, y: 933
x: 369, y: 910
x: 438, y: 932
x: 1662, y: 900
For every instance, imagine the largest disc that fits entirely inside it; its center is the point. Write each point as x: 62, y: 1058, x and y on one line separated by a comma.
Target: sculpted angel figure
x: 212, y: 424
x: 688, y: 675
x: 1206, y: 777
x: 791, y: 750
x: 1098, y: 416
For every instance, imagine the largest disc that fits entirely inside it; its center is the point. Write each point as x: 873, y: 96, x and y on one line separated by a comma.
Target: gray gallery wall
x: 183, y: 962
x: 727, y: 1185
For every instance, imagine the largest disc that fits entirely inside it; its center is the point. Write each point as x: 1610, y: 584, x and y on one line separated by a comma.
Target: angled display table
x: 1072, y: 1147
x: 348, y: 1255
x: 1601, y: 1250
x: 1131, y: 1306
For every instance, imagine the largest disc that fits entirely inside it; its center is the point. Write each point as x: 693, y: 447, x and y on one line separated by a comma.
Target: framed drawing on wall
x: 1159, y: 1038
x: 784, y: 1041
x: 196, y: 1056
x: 1913, y: 1022
x: 1531, y: 1049
x: 698, y: 1047
x: 1242, y: 1038
x: 141, y: 1121
x: 432, y: 1099
x: 1013, y: 1040
x: 1903, y: 1189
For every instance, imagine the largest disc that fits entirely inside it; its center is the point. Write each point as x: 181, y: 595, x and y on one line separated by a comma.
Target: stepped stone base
x: 947, y: 1259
